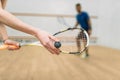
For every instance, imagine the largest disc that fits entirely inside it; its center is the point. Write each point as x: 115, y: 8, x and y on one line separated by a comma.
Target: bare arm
x: 76, y: 25
x: 90, y: 25
x: 13, y: 22
x: 3, y: 2
x: 3, y: 31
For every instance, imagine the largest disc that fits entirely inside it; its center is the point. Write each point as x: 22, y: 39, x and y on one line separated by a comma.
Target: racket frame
x: 64, y: 23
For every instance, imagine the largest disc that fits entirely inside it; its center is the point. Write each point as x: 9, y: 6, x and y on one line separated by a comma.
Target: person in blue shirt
x: 83, y: 20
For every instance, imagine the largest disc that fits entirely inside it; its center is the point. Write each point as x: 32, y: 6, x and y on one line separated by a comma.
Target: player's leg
x: 78, y: 42
x: 86, y: 53
x: 89, y: 34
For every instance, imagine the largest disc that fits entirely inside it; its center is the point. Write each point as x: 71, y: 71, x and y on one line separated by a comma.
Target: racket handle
x: 2, y: 47
x: 57, y: 44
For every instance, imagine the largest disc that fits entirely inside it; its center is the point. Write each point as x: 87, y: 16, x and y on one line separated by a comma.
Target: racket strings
x: 75, y: 41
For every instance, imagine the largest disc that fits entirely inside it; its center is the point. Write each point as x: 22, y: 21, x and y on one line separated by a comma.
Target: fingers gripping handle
x: 2, y: 47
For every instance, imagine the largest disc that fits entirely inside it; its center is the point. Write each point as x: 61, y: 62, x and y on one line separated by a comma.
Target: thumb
x: 53, y: 38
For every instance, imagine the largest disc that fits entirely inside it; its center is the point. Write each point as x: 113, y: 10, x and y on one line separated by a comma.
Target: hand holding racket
x: 48, y: 41
x: 13, y: 45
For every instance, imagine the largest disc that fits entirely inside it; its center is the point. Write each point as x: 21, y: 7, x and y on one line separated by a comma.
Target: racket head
x: 71, y: 39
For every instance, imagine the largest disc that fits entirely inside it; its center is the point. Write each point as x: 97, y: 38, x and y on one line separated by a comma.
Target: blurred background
x: 104, y: 15
x: 36, y: 63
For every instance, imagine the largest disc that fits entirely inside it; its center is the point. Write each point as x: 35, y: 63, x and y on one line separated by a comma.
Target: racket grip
x: 2, y: 47
x: 57, y: 44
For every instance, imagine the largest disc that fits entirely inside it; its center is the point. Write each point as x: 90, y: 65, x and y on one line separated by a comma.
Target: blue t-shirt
x: 82, y: 19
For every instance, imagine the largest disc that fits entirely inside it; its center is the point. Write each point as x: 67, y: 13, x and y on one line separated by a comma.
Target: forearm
x: 3, y: 32
x: 76, y: 25
x: 90, y: 25
x: 13, y: 22
x: 3, y: 3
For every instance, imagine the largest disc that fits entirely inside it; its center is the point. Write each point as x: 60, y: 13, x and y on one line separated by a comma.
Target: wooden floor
x: 35, y: 63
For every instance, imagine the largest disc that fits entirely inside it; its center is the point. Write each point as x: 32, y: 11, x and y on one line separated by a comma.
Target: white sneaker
x: 85, y: 55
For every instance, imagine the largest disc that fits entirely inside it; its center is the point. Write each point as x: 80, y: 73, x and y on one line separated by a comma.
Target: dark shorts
x: 81, y: 35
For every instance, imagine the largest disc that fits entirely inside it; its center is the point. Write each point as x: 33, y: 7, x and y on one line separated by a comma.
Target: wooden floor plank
x: 35, y: 63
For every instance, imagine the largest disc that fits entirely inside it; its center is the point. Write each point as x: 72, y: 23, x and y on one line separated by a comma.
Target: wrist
x: 37, y: 33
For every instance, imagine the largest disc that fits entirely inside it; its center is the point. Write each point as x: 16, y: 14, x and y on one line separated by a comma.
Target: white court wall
x: 109, y: 23
x: 49, y: 7
x: 106, y: 27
